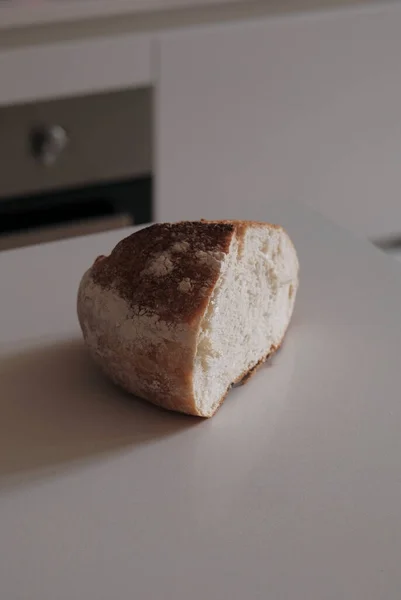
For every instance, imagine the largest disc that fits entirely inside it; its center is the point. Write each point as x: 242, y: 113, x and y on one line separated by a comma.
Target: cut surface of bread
x: 248, y: 313
x: 178, y: 313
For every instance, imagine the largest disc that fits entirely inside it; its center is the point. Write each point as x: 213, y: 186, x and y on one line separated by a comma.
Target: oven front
x: 75, y: 166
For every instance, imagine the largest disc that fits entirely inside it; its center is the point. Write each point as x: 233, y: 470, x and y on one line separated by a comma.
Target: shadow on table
x: 57, y: 408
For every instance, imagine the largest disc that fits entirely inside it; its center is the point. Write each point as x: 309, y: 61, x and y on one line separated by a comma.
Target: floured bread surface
x: 179, y: 312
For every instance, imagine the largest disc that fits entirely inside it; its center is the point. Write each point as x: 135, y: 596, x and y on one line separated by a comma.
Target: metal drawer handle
x: 48, y: 143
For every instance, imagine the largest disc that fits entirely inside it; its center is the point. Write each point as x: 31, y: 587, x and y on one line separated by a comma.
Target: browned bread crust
x: 140, y: 307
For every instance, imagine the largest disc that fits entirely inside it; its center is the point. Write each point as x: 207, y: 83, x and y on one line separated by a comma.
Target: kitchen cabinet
x: 301, y: 106
x: 305, y: 108
x: 72, y: 68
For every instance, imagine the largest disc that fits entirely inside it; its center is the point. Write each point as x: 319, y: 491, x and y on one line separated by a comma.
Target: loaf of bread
x: 180, y: 312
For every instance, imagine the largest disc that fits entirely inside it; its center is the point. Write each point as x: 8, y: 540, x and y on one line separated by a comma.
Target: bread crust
x: 140, y: 308
x: 146, y: 267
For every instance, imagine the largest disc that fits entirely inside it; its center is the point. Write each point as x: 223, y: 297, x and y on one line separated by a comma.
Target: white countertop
x: 292, y: 491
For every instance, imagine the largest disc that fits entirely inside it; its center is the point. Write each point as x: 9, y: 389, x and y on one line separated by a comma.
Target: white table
x: 291, y: 492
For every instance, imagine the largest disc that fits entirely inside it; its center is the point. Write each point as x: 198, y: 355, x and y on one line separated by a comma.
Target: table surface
x: 291, y: 492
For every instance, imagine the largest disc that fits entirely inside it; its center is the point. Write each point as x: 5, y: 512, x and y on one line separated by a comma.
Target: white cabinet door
x: 304, y: 108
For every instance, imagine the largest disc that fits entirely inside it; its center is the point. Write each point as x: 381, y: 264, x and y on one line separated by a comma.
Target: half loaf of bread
x: 180, y: 312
